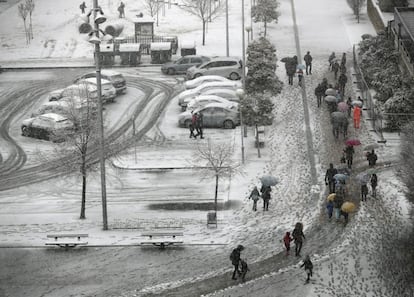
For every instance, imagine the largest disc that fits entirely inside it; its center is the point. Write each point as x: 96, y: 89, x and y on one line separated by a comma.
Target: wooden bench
x: 162, y: 238
x: 68, y: 241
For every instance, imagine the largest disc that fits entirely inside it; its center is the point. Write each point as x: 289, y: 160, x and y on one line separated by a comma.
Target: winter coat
x: 343, y: 79
x: 331, y: 57
x: 372, y: 158
x: 308, y: 59
x: 291, y: 65
x: 335, y: 66
x: 298, y: 235
x: 319, y: 90
x: 330, y: 173
x: 287, y: 239
x: 254, y: 195
x: 338, y: 201
x: 330, y: 206
x: 357, y: 112
x: 199, y: 122
x: 364, y: 189
x: 308, y: 264
x: 266, y: 193
x: 235, y: 256
x: 349, y: 151
x: 374, y: 181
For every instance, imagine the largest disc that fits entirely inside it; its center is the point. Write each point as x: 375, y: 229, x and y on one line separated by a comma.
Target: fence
x: 374, y: 113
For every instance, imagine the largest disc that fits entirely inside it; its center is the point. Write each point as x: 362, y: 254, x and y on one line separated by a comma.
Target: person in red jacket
x: 287, y: 239
x: 357, y: 116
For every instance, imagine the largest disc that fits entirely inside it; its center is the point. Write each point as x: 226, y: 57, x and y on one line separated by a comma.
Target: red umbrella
x: 353, y: 142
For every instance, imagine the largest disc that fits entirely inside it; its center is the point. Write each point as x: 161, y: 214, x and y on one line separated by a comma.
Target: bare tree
x: 218, y: 162
x: 30, y: 6
x: 203, y: 10
x: 356, y: 6
x: 152, y: 6
x: 265, y: 11
x: 23, y: 14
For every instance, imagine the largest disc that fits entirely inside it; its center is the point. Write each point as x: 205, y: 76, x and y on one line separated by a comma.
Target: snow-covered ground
x: 352, y: 264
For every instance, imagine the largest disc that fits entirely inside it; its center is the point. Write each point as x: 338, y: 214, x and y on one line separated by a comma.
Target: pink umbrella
x: 353, y: 142
x: 342, y: 106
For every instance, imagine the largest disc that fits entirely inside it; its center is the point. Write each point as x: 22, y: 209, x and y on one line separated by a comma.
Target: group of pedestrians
x: 265, y: 194
x: 121, y: 9
x: 293, y: 68
x: 196, y: 125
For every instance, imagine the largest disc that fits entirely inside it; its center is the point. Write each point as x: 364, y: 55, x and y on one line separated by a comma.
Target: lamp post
x: 96, y: 41
x: 227, y: 28
x: 241, y: 94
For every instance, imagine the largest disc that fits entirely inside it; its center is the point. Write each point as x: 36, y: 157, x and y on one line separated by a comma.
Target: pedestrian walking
x: 335, y: 68
x: 329, y: 178
x: 300, y: 77
x: 357, y: 116
x: 319, y: 93
x: 374, y: 184
x: 349, y: 103
x: 266, y: 196
x: 330, y: 207
x: 331, y: 59
x: 298, y: 237
x: 290, y: 66
x: 346, y: 217
x: 287, y: 239
x: 244, y: 269
x: 342, y: 80
x: 235, y: 260
x: 199, y: 125
x: 82, y: 7
x: 343, y: 59
x: 254, y: 195
x: 191, y: 127
x: 349, y: 155
x: 364, y: 192
x: 337, y: 204
x: 372, y: 158
x: 308, y: 267
x: 121, y: 10
x: 308, y: 63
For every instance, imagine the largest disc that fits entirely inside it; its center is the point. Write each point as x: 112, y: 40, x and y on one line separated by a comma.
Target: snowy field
x: 361, y: 259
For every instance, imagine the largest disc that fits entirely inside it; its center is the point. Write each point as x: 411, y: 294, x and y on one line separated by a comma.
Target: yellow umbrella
x: 331, y: 197
x: 348, y: 207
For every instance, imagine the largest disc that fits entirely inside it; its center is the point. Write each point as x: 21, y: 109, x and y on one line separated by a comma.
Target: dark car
x: 181, y: 65
x: 48, y: 126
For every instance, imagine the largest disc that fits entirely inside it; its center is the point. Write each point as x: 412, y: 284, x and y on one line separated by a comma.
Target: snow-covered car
x: 75, y: 90
x: 203, y: 100
x: 181, y: 65
x: 108, y: 92
x: 232, y: 85
x: 215, y: 115
x: 116, y: 78
x: 229, y: 67
x: 68, y: 106
x: 191, y: 84
x: 48, y: 126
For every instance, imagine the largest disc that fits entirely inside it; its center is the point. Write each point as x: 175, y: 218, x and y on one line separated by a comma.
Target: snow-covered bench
x: 162, y: 238
x: 67, y: 240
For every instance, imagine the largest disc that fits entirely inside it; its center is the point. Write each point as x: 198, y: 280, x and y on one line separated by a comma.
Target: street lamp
x: 99, y: 19
x: 240, y: 93
x: 227, y: 28
x: 248, y: 29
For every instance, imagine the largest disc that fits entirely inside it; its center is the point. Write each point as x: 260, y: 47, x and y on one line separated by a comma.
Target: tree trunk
x: 25, y: 32
x: 30, y: 27
x: 83, y: 204
x: 265, y: 27
x: 204, y: 32
x: 215, y: 194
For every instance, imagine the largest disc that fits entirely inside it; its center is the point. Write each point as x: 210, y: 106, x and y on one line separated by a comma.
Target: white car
x: 230, y: 67
x: 191, y: 84
x: 75, y: 90
x: 47, y: 126
x: 116, y: 78
x: 228, y: 94
x: 108, y: 91
x: 232, y: 85
x: 203, y: 100
x: 68, y: 106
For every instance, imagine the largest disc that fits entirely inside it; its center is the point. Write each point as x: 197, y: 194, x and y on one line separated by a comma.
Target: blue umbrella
x: 341, y: 177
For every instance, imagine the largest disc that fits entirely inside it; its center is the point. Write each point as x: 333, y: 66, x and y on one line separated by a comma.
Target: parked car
x: 191, y: 84
x: 70, y: 107
x: 75, y: 90
x: 233, y: 85
x: 203, y: 100
x: 229, y: 67
x: 228, y: 94
x: 48, y: 126
x: 116, y: 78
x: 108, y: 92
x: 215, y: 115
x: 181, y: 65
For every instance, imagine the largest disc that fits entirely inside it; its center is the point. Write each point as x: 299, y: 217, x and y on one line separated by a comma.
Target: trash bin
x: 160, y: 52
x: 211, y: 218
x: 188, y: 48
x: 107, y: 54
x: 130, y: 53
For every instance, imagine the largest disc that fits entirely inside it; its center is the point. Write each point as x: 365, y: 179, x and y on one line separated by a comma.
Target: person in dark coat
x: 329, y: 178
x: 319, y: 93
x: 330, y: 207
x: 374, y: 184
x: 337, y: 204
x: 364, y: 192
x: 290, y: 66
x: 349, y: 154
x: 342, y: 80
x: 308, y: 63
x: 331, y: 59
x: 308, y: 267
x: 298, y: 237
x: 191, y: 127
x: 372, y: 158
x: 121, y: 10
x: 244, y: 269
x: 266, y: 196
x: 235, y: 260
x: 199, y: 125
x: 343, y: 59
x: 346, y: 217
x: 82, y: 7
x: 350, y: 106
x: 335, y: 68
x: 254, y: 195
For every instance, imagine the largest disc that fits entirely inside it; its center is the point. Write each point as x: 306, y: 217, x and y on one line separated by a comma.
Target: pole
x: 100, y: 120
x: 243, y: 81
x: 227, y: 28
x: 251, y: 20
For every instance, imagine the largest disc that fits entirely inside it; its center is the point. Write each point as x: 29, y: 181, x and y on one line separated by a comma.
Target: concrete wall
x: 375, y: 16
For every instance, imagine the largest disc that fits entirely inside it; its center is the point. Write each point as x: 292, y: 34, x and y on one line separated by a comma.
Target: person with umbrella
x: 266, y: 197
x: 290, y: 66
x: 350, y: 106
x: 337, y: 204
x: 349, y: 155
x: 329, y: 178
x: 254, y: 195
x: 335, y: 68
x: 372, y: 158
x: 308, y: 62
x: 364, y: 191
x: 298, y: 237
x: 235, y: 260
x: 319, y: 93
x: 342, y: 80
